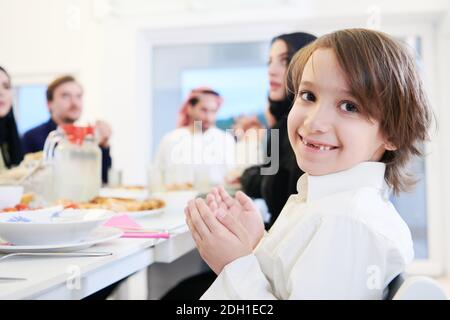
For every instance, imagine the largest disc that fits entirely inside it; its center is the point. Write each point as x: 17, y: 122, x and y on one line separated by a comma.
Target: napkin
x: 124, y: 221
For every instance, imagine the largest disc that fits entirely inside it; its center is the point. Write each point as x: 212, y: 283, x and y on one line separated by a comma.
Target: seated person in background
x: 249, y: 133
x: 276, y: 188
x: 197, y: 151
x: 190, y: 150
x: 65, y: 103
x: 10, y: 147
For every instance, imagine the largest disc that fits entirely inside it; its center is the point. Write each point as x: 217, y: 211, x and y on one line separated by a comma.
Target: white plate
x: 100, y: 235
x: 145, y: 214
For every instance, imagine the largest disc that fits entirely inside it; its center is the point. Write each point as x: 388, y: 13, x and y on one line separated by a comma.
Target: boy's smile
x: 326, y: 128
x: 316, y: 145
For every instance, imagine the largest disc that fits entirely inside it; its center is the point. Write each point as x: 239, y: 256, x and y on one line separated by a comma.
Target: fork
x: 57, y: 254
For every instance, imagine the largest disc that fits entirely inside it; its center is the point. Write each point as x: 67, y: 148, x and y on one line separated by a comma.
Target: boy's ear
x: 389, y: 146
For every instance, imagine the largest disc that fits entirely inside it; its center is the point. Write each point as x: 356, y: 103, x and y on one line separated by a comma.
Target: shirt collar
x: 365, y: 174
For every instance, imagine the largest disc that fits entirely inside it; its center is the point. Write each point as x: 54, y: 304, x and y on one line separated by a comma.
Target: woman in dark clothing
x: 275, y: 189
x: 11, y: 153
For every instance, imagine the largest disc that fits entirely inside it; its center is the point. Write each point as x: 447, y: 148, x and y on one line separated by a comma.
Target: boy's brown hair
x: 383, y: 78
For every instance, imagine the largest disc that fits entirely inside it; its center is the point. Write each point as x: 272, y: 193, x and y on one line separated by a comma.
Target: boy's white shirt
x: 181, y: 152
x: 339, y: 238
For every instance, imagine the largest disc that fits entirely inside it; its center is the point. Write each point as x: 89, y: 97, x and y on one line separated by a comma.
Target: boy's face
x: 326, y: 129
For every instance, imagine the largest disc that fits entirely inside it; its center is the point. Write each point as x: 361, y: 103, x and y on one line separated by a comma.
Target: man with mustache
x: 65, y: 103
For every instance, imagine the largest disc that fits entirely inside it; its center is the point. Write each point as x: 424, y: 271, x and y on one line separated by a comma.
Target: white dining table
x: 70, y: 278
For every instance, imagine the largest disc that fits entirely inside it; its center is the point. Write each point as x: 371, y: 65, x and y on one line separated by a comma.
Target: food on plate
x: 24, y: 204
x: 132, y: 187
x: 179, y: 186
x: 17, y: 207
x: 27, y: 198
x: 116, y: 204
x: 112, y: 204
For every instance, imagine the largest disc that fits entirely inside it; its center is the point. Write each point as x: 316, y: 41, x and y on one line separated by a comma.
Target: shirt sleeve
x: 343, y: 259
x: 241, y: 279
x: 29, y: 145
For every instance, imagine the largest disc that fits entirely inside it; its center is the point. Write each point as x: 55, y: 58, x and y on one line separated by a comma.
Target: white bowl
x: 51, y: 226
x: 10, y: 196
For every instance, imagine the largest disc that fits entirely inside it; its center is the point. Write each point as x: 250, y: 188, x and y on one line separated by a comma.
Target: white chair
x: 415, y: 288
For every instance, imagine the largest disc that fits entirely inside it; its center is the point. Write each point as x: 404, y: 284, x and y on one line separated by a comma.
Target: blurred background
x: 138, y: 59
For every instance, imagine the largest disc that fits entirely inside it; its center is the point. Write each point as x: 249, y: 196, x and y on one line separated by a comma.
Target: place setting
x: 54, y: 230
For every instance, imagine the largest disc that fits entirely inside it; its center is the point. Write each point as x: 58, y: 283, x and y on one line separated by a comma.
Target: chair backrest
x: 415, y: 288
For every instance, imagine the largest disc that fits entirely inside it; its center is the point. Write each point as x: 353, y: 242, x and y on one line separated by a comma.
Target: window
x: 412, y: 206
x: 31, y: 106
x: 413, y: 209
x: 238, y: 71
x: 244, y: 89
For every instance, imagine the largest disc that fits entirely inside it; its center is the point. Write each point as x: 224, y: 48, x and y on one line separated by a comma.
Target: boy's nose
x: 318, y: 119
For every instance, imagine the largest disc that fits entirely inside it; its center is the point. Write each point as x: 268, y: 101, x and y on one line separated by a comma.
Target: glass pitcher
x: 75, y: 160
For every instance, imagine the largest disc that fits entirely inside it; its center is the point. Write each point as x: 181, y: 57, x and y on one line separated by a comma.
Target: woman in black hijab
x: 275, y: 189
x: 10, y: 145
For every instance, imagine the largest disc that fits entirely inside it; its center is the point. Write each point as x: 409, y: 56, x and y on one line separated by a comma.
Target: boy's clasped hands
x: 224, y: 228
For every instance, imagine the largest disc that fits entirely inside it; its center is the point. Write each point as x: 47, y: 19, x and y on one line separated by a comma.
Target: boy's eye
x: 348, y: 107
x: 307, y: 96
